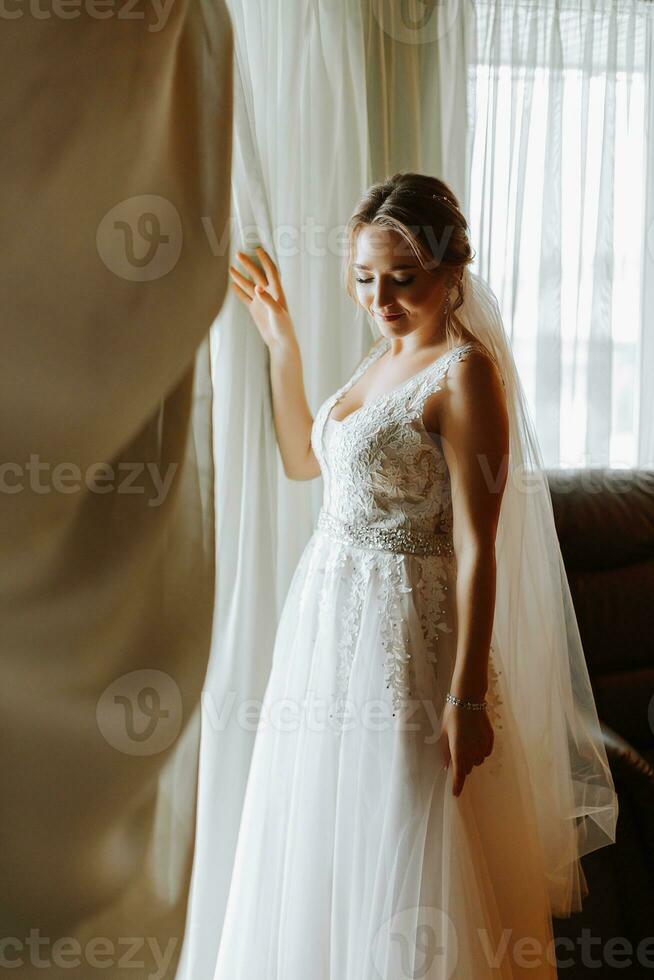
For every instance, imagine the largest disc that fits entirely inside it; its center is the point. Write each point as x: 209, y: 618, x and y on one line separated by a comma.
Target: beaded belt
x: 397, y: 539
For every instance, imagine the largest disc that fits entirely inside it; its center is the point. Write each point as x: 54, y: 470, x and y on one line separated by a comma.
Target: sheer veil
x: 537, y: 643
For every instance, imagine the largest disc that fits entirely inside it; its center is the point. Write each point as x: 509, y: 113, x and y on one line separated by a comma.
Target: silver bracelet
x: 473, y: 705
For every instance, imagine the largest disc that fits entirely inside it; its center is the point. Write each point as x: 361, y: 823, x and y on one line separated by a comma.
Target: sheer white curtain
x: 300, y: 161
x: 328, y: 98
x: 560, y: 182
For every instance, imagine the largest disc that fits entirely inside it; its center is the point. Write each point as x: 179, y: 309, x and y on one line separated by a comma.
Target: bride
x: 425, y: 811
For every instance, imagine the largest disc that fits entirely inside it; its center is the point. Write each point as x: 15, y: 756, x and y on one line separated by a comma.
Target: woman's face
x: 393, y: 287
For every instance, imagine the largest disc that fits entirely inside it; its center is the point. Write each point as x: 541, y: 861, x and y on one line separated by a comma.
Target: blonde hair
x: 422, y: 209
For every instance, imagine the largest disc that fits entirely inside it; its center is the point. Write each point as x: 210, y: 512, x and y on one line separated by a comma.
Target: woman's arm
x: 264, y: 298
x: 293, y: 419
x: 474, y: 429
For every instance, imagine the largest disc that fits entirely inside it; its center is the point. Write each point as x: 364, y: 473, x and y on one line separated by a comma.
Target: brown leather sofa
x: 605, y: 523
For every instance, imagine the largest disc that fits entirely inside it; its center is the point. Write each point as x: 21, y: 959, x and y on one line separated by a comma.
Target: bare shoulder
x: 474, y: 393
x: 476, y: 373
x: 476, y: 398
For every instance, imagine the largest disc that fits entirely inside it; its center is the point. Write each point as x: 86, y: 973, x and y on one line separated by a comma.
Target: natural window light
x: 568, y: 213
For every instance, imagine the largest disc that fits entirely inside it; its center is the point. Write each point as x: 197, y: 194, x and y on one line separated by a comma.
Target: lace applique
x: 379, y: 464
x: 349, y: 626
x: 359, y: 567
x: 337, y: 559
x: 317, y: 430
x: 395, y: 642
x: 383, y: 471
x: 432, y: 586
x: 388, y: 569
x: 426, y: 384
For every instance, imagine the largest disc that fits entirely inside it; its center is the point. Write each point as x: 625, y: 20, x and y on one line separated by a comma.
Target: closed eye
x: 400, y: 282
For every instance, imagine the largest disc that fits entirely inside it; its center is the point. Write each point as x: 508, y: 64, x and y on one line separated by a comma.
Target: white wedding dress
x: 354, y: 859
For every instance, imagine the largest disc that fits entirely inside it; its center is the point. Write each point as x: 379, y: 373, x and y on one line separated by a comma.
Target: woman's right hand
x: 264, y: 298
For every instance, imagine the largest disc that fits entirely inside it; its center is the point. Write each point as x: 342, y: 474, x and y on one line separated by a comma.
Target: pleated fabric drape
x: 117, y: 146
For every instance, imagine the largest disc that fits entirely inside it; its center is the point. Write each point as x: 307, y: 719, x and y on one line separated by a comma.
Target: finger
x: 242, y: 295
x: 459, y: 778
x: 246, y: 284
x: 271, y: 271
x: 269, y: 300
x: 253, y: 268
x: 445, y: 752
x: 461, y: 773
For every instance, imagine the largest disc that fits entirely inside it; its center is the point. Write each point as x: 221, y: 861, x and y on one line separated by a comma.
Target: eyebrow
x: 356, y: 265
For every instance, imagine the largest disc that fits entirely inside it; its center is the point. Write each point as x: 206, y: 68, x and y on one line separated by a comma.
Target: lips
x: 392, y: 316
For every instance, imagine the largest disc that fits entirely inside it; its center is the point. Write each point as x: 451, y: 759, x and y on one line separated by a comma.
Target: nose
x: 383, y: 296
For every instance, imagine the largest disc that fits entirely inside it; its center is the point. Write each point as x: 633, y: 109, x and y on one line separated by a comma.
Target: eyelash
x: 400, y: 282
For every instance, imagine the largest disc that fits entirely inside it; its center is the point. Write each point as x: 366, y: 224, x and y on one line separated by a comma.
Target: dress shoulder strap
x: 476, y: 345
x: 429, y: 381
x: 461, y: 351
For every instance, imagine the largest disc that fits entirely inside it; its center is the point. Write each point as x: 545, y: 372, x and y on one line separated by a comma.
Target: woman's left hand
x: 467, y: 738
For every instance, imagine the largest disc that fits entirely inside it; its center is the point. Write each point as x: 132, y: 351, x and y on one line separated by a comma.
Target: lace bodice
x: 380, y: 466
x: 383, y: 472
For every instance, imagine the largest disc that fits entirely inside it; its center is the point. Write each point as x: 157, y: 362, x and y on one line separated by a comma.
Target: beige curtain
x: 116, y: 160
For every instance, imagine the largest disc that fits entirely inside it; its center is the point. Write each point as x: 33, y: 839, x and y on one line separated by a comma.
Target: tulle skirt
x: 354, y: 859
